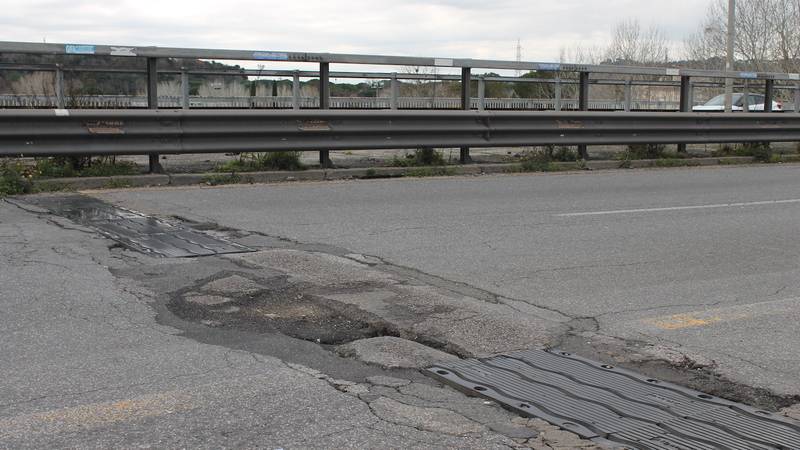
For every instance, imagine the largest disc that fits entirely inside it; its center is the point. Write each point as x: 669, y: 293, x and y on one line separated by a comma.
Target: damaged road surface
x: 316, y: 338
x: 268, y: 349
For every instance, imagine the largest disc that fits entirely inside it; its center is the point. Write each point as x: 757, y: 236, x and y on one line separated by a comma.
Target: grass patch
x: 759, y: 152
x: 430, y: 172
x: 538, y: 162
x: 226, y: 178
x: 374, y: 174
x: 564, y: 154
x: 118, y: 183
x: 650, y: 151
x: 671, y: 162
x: 730, y: 161
x: 66, y: 167
x: 16, y: 177
x: 269, y: 161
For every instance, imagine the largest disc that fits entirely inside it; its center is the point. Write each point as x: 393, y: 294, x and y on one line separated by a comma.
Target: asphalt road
x: 697, y: 267
x: 687, y: 275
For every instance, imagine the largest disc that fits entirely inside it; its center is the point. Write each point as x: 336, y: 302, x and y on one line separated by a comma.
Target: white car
x: 755, y: 102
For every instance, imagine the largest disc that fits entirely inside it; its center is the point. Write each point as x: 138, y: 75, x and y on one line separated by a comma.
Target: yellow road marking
x: 723, y: 314
x: 103, y: 413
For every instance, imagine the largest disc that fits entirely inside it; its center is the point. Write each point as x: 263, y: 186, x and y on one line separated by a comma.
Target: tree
x: 767, y: 35
x: 632, y: 46
x: 536, y: 89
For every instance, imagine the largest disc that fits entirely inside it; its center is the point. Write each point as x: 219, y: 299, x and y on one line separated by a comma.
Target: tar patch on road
x: 611, y: 405
x: 243, y: 302
x: 138, y: 231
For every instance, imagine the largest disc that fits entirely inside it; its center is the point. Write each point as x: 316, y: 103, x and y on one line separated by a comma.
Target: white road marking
x: 677, y: 208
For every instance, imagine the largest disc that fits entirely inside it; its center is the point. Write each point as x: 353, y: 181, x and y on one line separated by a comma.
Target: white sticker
x: 62, y: 112
x: 674, y: 72
x: 123, y: 51
x: 443, y: 62
x: 794, y: 76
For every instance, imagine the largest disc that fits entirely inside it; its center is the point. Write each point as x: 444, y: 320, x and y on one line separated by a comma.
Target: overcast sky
x: 486, y: 29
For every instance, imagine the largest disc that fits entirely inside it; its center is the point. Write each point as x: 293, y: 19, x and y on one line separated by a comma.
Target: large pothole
x: 241, y: 302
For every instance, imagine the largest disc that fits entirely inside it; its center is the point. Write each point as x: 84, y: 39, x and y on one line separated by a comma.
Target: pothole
x: 243, y: 303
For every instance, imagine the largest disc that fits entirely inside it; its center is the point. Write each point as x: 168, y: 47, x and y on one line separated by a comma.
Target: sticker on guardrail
x: 547, y: 66
x: 79, y: 49
x: 123, y: 51
x: 313, y: 125
x: 271, y: 56
x: 62, y: 112
x: 561, y: 123
x: 106, y: 127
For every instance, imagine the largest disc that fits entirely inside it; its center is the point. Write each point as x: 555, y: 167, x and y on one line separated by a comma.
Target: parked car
x: 755, y: 102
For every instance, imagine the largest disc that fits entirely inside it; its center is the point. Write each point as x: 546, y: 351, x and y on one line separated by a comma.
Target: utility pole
x: 519, y: 58
x: 729, y: 60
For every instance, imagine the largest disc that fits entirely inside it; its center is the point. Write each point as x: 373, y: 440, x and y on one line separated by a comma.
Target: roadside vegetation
x: 421, y: 157
x: 550, y: 159
x: 257, y: 162
x: 18, y: 176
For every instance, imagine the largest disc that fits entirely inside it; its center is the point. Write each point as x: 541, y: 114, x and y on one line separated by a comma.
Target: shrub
x: 538, y: 162
x: 422, y: 157
x: 759, y: 152
x: 104, y: 166
x: 15, y: 177
x: 644, y: 151
x: 252, y: 162
x: 565, y: 154
x: 430, y: 172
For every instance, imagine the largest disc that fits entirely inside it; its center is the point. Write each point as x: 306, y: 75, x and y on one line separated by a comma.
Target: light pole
x: 729, y: 60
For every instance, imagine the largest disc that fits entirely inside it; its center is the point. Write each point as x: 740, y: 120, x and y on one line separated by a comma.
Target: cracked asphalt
x: 315, y: 340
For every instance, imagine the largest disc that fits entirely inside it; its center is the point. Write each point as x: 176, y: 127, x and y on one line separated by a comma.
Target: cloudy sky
x: 486, y: 29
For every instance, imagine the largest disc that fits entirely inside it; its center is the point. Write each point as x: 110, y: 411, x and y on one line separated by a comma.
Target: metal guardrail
x: 41, y: 133
x: 341, y: 58
x: 277, y: 102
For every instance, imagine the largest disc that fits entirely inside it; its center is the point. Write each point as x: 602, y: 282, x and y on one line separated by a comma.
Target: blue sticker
x: 549, y: 66
x: 748, y: 75
x: 271, y: 56
x: 80, y: 49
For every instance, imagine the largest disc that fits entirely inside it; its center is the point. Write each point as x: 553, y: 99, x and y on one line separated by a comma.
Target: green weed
x: 255, y: 162
x: 226, y: 178
x: 421, y: 157
x: 671, y: 162
x: 67, y: 167
x: 118, y: 183
x: 538, y: 162
x: 430, y: 172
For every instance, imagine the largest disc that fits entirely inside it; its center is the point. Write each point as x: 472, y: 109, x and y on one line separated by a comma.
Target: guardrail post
x: 393, y: 101
x: 481, y: 93
x: 152, y: 103
x: 325, y: 103
x: 558, y: 95
x: 685, y: 103
x: 185, y: 86
x: 466, y: 78
x: 296, y: 89
x: 60, y: 104
x: 769, y: 91
x: 627, y: 95
x: 797, y: 99
x: 769, y: 94
x: 583, y: 105
x: 746, y: 97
